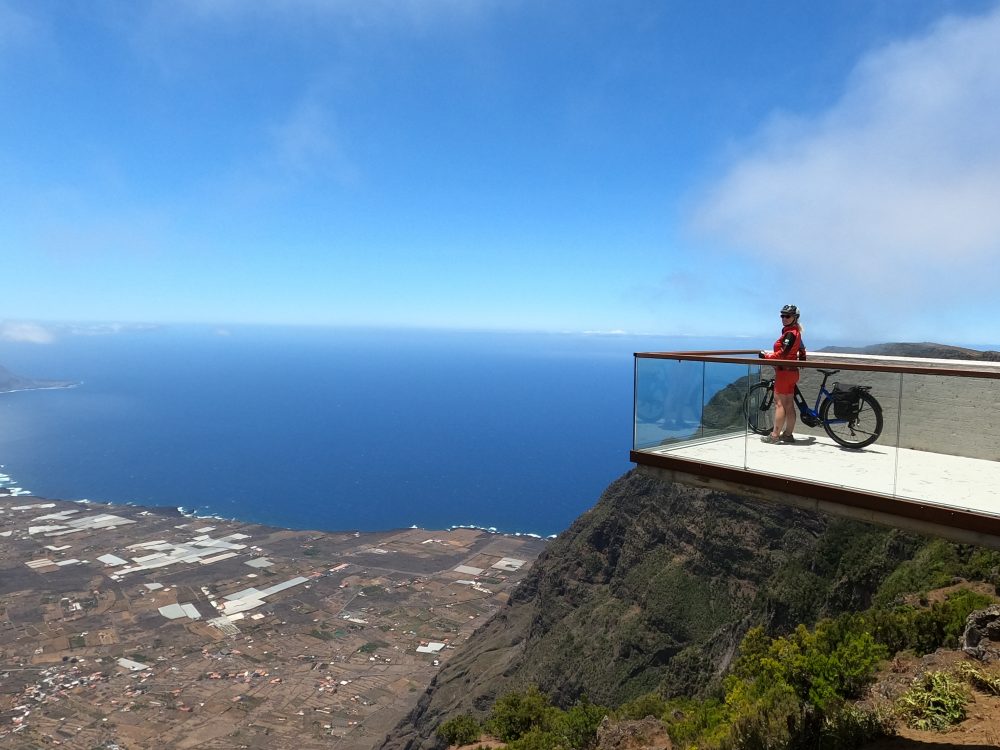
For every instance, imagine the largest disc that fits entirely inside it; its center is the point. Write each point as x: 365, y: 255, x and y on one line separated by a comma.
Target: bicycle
x: 854, y: 426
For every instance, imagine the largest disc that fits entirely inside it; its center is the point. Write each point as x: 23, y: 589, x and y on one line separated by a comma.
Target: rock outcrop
x: 981, y: 638
x: 645, y: 734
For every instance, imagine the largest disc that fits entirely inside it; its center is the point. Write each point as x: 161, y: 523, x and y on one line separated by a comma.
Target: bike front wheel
x: 757, y: 408
x: 856, y: 433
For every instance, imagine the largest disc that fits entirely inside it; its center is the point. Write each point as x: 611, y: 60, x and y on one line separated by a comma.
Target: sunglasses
x: 787, y: 316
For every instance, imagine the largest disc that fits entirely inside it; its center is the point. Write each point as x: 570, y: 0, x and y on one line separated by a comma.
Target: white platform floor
x: 933, y: 478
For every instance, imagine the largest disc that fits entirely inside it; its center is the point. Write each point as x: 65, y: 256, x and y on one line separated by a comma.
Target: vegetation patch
x: 460, y: 730
x: 979, y: 678
x: 792, y: 691
x: 935, y: 702
x: 529, y: 721
x: 937, y: 564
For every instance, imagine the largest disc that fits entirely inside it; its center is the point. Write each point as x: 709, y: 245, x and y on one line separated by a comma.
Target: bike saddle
x: 828, y: 372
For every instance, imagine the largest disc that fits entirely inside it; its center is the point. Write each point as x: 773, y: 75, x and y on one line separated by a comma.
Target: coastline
x: 55, y: 387
x: 9, y: 488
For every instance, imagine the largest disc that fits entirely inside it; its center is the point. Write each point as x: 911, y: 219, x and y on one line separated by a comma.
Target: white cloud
x: 890, y: 198
x: 31, y: 333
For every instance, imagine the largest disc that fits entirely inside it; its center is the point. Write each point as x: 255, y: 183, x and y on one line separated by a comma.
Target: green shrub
x: 691, y: 722
x: 528, y: 721
x: 578, y: 726
x: 923, y: 630
x: 983, y: 565
x: 650, y: 704
x: 936, y: 564
x: 536, y: 739
x: 895, y: 629
x: 822, y: 667
x: 932, y: 567
x: 936, y: 701
x: 461, y: 730
x: 854, y: 727
x: 943, y: 623
x: 515, y: 714
x: 776, y: 720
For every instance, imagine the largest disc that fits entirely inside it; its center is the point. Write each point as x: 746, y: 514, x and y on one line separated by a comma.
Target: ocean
x: 329, y: 429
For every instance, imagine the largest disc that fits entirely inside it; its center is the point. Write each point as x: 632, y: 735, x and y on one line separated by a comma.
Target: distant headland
x: 10, y: 382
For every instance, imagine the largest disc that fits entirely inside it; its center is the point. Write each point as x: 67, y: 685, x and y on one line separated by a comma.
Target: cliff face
x: 654, y: 588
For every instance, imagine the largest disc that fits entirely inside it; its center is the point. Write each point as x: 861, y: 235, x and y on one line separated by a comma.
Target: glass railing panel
x: 817, y: 456
x: 668, y: 399
x: 726, y: 387
x: 722, y: 437
x: 724, y: 423
x: 691, y: 409
x: 949, y: 441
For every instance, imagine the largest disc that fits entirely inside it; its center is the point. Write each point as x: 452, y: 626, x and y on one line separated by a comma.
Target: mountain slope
x: 653, y: 589
x: 924, y: 349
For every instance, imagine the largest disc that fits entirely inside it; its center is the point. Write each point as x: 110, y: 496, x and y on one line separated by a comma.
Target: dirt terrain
x: 980, y: 729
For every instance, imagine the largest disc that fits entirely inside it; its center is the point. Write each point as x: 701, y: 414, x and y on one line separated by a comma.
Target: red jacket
x: 788, y: 346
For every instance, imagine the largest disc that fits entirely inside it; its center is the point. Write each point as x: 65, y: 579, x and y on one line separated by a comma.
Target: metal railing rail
x: 968, y: 369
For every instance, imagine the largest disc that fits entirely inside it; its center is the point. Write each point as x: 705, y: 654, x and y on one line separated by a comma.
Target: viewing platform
x: 934, y: 468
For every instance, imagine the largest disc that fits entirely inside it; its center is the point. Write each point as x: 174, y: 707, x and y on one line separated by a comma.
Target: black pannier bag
x: 846, y: 401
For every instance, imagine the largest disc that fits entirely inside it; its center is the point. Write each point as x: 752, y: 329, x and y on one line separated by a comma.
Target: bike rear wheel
x: 757, y: 408
x: 858, y: 432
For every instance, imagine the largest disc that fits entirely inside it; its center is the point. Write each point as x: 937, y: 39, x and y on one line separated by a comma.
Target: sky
x: 642, y: 166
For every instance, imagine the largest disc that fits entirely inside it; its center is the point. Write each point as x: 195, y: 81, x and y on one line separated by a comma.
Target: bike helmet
x: 790, y: 310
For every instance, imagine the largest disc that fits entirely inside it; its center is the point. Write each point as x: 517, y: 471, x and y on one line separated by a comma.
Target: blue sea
x: 332, y: 429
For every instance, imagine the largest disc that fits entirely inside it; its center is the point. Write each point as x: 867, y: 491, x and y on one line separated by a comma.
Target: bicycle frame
x: 810, y: 416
